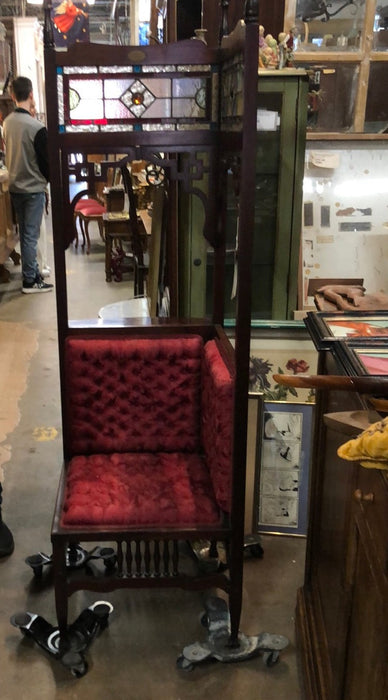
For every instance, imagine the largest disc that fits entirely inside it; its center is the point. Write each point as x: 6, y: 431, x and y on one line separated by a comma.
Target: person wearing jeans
x: 29, y: 212
x: 26, y: 159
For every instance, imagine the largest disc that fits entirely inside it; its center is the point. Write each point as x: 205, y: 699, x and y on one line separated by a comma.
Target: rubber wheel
x: 271, y: 658
x: 256, y: 551
x: 204, y: 620
x: 183, y: 664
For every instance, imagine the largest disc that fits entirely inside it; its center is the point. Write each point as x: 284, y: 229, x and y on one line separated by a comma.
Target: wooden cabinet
x: 281, y: 136
x: 342, y: 608
x: 344, y: 46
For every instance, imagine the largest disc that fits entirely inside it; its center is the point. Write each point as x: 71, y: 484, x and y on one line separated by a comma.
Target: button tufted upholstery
x: 150, y: 425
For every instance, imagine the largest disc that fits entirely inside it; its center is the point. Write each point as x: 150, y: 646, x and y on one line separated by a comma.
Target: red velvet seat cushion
x: 86, y: 204
x: 133, y: 394
x: 92, y: 210
x: 128, y: 490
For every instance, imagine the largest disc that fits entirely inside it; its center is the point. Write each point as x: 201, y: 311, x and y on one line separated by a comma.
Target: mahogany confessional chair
x: 155, y: 412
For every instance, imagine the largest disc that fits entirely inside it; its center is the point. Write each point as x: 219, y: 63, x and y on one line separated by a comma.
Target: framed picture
x: 359, y: 358
x: 286, y: 355
x: 326, y: 328
x: 283, y: 452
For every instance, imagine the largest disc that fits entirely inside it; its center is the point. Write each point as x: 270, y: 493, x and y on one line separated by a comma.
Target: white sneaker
x: 45, y: 271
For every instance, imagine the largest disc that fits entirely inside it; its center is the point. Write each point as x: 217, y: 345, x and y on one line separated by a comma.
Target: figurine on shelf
x: 272, y: 51
x: 286, y: 49
x: 268, y: 50
x: 261, y: 37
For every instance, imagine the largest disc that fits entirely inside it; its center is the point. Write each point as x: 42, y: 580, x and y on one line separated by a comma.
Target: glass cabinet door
x: 281, y: 124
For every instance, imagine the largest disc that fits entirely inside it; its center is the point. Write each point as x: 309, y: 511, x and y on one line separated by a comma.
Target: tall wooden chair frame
x: 205, y: 145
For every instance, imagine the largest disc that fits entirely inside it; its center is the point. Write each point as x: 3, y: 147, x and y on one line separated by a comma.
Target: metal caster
x: 76, y: 558
x: 69, y: 648
x: 252, y: 545
x: 217, y: 621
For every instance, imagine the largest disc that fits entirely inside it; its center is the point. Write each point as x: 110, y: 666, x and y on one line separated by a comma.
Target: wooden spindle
x: 251, y: 13
x: 175, y: 558
x: 166, y: 559
x: 129, y: 558
x: 156, y: 558
x: 138, y: 559
x: 120, y: 559
x: 224, y: 26
x: 48, y: 34
x: 147, y: 559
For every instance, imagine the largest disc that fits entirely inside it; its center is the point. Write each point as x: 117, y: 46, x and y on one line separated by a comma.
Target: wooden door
x: 367, y: 648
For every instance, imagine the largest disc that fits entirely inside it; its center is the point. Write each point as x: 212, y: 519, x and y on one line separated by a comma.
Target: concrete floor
x: 135, y: 657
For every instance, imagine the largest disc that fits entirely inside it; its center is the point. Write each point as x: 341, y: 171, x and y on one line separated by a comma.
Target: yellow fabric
x: 370, y: 448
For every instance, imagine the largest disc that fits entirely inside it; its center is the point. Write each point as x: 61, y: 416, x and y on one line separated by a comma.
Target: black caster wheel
x: 204, y: 620
x: 109, y: 558
x: 256, y: 551
x: 271, y: 658
x: 76, y: 664
x: 183, y: 664
x: 36, y: 562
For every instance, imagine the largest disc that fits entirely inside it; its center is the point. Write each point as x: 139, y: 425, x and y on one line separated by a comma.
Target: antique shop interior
x: 197, y: 411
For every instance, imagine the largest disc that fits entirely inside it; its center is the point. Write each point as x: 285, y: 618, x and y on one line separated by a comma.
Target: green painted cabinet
x: 281, y: 136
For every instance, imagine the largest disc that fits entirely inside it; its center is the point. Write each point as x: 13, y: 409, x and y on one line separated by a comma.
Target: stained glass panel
x: 90, y: 96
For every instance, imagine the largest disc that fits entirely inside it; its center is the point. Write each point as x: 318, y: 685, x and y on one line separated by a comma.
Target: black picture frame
x: 363, y: 359
x: 327, y: 328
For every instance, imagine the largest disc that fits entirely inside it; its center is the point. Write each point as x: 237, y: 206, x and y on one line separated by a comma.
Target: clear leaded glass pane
x: 117, y: 94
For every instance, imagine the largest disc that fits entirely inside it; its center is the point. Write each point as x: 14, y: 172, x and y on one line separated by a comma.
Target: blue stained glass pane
x: 144, y: 28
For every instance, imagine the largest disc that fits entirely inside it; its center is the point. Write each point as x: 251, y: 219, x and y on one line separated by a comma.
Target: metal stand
x: 70, y: 648
x: 216, y: 619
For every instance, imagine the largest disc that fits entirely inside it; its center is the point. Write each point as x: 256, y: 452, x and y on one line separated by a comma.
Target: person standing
x: 26, y: 158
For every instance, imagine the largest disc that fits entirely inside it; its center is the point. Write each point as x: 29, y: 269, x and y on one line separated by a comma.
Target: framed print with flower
x: 280, y: 356
x: 283, y: 450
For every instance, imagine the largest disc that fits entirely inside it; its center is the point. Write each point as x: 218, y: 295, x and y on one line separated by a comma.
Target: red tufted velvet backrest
x: 133, y: 395
x: 217, y: 422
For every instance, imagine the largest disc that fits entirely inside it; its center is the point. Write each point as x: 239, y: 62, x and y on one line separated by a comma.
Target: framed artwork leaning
x: 328, y: 328
x: 283, y: 454
x: 360, y: 358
